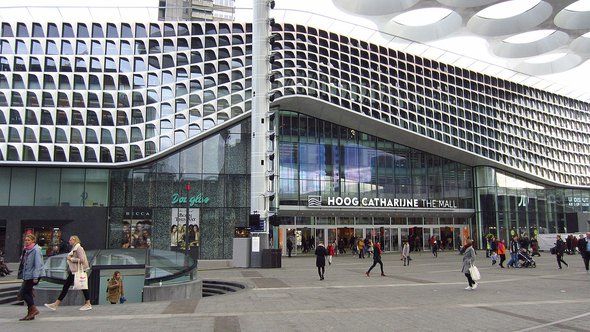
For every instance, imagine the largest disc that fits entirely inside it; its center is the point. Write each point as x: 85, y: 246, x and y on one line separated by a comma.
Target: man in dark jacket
x: 376, y: 259
x: 583, y: 248
x: 514, y: 248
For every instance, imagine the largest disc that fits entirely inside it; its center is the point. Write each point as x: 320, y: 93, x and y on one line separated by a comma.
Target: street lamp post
x: 187, y: 231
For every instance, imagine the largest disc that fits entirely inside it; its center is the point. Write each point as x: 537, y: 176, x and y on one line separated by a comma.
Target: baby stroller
x: 526, y: 260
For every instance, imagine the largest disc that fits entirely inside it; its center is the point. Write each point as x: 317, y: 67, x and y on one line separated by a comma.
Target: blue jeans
x: 513, y: 259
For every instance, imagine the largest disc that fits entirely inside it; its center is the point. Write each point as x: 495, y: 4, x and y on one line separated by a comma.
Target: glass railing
x: 161, y: 266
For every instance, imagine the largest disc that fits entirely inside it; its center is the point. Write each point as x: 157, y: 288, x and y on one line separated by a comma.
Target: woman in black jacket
x: 320, y: 260
x: 376, y: 259
x: 559, y: 250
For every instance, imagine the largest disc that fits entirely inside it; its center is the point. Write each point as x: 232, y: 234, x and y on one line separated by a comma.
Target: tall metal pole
x: 186, y: 223
x: 260, y: 70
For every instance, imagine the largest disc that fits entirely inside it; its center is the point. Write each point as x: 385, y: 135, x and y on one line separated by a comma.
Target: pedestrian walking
x: 77, y: 256
x: 468, y: 260
x: 320, y: 261
x: 559, y: 251
x: 115, y: 288
x: 514, y: 248
x: 289, y: 246
x: 331, y: 252
x: 501, y: 252
x: 406, y: 253
x: 30, y: 271
x: 361, y: 248
x: 584, y: 248
x: 376, y: 259
x: 435, y: 248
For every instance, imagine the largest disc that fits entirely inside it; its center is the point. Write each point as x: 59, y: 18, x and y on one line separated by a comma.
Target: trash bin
x: 271, y: 258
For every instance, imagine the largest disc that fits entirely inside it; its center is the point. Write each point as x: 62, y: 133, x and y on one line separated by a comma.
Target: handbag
x: 80, y: 278
x: 474, y: 271
x: 122, y: 300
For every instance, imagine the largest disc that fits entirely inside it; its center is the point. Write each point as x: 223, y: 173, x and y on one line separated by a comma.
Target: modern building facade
x: 196, y: 10
x: 121, y: 131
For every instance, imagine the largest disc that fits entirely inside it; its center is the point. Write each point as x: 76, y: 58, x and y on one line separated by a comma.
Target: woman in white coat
x: 468, y: 260
x: 76, y: 257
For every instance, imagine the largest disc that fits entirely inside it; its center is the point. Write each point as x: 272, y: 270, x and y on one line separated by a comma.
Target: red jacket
x: 331, y: 251
x: 501, y: 248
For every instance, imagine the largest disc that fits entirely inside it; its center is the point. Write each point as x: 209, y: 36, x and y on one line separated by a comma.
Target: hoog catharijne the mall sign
x: 315, y: 201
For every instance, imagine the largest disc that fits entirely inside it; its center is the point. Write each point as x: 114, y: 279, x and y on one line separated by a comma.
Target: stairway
x: 8, y: 295
x: 214, y: 287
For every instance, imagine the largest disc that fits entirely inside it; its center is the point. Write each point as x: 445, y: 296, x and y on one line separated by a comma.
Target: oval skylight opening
x: 507, y: 9
x: 579, y: 6
x: 547, y: 58
x: 422, y: 17
x: 529, y: 37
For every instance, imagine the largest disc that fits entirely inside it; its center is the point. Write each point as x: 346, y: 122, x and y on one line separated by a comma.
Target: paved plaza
x: 428, y: 295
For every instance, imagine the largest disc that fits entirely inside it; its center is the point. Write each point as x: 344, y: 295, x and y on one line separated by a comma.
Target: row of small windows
x: 398, y: 73
x: 110, y: 65
x: 75, y: 136
x: 123, y: 30
x: 380, y: 54
x: 72, y: 154
x: 220, y: 96
x: 414, y: 101
x: 122, y: 82
x: 124, y: 47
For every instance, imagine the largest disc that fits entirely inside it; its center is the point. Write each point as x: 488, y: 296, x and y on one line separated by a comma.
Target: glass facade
x: 217, y: 170
x: 320, y: 158
x: 76, y: 187
x: 508, y: 204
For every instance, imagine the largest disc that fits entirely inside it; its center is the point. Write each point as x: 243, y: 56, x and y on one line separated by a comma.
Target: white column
x: 260, y: 163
